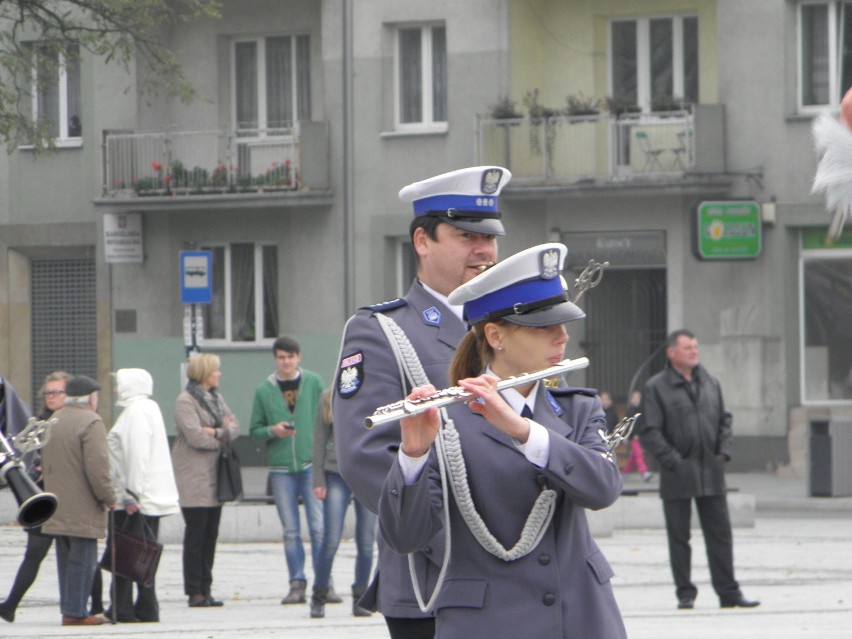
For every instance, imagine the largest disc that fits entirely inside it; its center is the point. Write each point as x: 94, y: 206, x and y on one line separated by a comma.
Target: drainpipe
x: 348, y: 165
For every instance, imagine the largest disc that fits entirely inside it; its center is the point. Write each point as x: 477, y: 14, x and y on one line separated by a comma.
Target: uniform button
x: 569, y: 469
x: 394, y: 492
x: 549, y: 599
x: 544, y: 560
x: 428, y: 550
x: 541, y: 480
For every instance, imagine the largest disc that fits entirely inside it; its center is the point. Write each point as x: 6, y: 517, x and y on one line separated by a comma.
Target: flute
x: 455, y: 394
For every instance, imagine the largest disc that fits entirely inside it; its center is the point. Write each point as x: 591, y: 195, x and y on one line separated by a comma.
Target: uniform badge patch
x: 432, y: 316
x: 350, y: 377
x: 554, y: 404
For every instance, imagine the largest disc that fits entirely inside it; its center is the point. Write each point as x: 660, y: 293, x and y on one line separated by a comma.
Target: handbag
x: 136, y: 556
x: 229, y: 479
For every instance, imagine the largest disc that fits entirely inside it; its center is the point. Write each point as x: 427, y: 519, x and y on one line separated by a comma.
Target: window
x: 825, y: 53
x: 406, y: 265
x: 272, y: 82
x: 654, y: 61
x: 421, y: 77
x: 245, y: 293
x: 56, y: 90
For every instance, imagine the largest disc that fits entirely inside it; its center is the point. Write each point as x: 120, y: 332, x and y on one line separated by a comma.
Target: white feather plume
x: 833, y: 177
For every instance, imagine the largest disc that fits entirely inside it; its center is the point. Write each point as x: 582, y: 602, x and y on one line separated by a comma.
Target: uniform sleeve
x: 367, y: 365
x: 580, y: 464
x: 410, y: 515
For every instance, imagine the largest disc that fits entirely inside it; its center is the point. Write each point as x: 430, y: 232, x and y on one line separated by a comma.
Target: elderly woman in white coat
x: 525, y: 463
x: 203, y: 422
x: 142, y: 479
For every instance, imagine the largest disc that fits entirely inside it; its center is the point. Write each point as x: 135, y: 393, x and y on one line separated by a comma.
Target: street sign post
x: 196, y: 287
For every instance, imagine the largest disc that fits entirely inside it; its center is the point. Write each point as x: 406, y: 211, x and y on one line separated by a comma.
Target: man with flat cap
x: 454, y: 234
x: 76, y: 470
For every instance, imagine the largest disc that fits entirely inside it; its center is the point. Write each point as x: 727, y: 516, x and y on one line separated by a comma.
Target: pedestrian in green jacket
x: 283, y: 416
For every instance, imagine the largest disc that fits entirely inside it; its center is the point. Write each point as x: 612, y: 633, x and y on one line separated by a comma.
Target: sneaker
x: 646, y: 476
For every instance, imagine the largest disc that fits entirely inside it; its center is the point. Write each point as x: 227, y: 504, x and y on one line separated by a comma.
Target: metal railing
x: 199, y: 162
x: 570, y: 149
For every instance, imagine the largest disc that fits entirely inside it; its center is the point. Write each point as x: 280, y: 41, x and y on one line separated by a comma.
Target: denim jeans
x: 76, y: 563
x: 287, y: 488
x: 334, y: 513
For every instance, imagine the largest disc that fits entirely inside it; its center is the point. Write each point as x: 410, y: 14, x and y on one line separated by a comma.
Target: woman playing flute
x: 523, y: 465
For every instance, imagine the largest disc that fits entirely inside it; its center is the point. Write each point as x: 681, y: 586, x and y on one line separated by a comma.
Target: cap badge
x: 432, y: 316
x: 491, y: 181
x: 549, y: 264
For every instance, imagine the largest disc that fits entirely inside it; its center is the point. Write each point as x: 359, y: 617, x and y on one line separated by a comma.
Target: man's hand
x: 280, y: 430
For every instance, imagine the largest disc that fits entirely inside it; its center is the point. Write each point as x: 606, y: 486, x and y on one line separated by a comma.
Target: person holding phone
x: 283, y: 416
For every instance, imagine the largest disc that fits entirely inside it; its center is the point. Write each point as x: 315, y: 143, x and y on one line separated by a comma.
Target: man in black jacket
x: 687, y: 429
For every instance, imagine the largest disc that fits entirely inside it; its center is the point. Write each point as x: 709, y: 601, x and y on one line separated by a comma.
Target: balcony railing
x: 210, y: 162
x: 601, y: 148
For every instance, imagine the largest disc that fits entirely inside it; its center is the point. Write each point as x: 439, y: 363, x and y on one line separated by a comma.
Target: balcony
x: 172, y: 169
x: 682, y: 148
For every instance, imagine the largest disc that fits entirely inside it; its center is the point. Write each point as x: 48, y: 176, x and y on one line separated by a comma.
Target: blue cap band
x: 466, y: 203
x: 506, y: 298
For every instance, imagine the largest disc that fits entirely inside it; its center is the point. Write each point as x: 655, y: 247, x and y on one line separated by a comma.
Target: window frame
x: 258, y: 284
x: 63, y: 139
x: 427, y: 87
x: 263, y: 129
x: 835, y: 45
x: 644, y: 82
x: 805, y: 256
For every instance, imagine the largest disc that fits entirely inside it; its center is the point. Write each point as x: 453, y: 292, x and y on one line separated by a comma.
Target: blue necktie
x: 526, y: 412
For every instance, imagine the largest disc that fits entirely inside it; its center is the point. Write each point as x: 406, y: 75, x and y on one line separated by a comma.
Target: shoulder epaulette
x: 564, y: 392
x: 385, y: 306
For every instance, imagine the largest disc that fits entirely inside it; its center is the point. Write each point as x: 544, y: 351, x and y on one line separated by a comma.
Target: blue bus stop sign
x: 196, y: 277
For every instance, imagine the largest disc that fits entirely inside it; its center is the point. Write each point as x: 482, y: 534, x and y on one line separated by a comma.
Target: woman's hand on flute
x: 419, y: 431
x: 490, y: 404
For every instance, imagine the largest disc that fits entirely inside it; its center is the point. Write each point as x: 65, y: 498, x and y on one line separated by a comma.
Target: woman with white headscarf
x: 143, y: 480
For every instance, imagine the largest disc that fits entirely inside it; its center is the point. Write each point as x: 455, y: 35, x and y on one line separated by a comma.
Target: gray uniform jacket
x: 368, y: 377
x: 685, y: 430
x: 76, y: 469
x: 560, y: 589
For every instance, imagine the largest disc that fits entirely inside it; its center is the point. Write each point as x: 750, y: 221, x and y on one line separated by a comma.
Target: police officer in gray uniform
x: 454, y: 230
x: 521, y: 471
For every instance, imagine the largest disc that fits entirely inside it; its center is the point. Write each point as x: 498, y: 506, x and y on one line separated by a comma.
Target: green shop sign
x: 726, y: 230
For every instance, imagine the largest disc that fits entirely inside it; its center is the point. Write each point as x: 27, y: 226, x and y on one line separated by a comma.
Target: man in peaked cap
x: 454, y: 234
x: 76, y: 470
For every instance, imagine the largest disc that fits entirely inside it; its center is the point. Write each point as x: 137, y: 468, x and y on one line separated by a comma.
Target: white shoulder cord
x: 453, y: 471
x: 411, y: 369
x: 537, y: 521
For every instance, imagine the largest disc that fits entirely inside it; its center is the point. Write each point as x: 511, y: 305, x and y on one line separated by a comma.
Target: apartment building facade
x: 668, y: 138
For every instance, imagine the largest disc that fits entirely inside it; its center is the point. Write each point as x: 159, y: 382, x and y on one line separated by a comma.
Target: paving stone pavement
x: 797, y: 559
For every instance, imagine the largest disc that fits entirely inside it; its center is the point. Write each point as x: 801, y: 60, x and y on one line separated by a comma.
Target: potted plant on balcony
x: 621, y: 105
x: 580, y: 104
x: 663, y: 105
x: 539, y: 117
x: 504, y: 109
